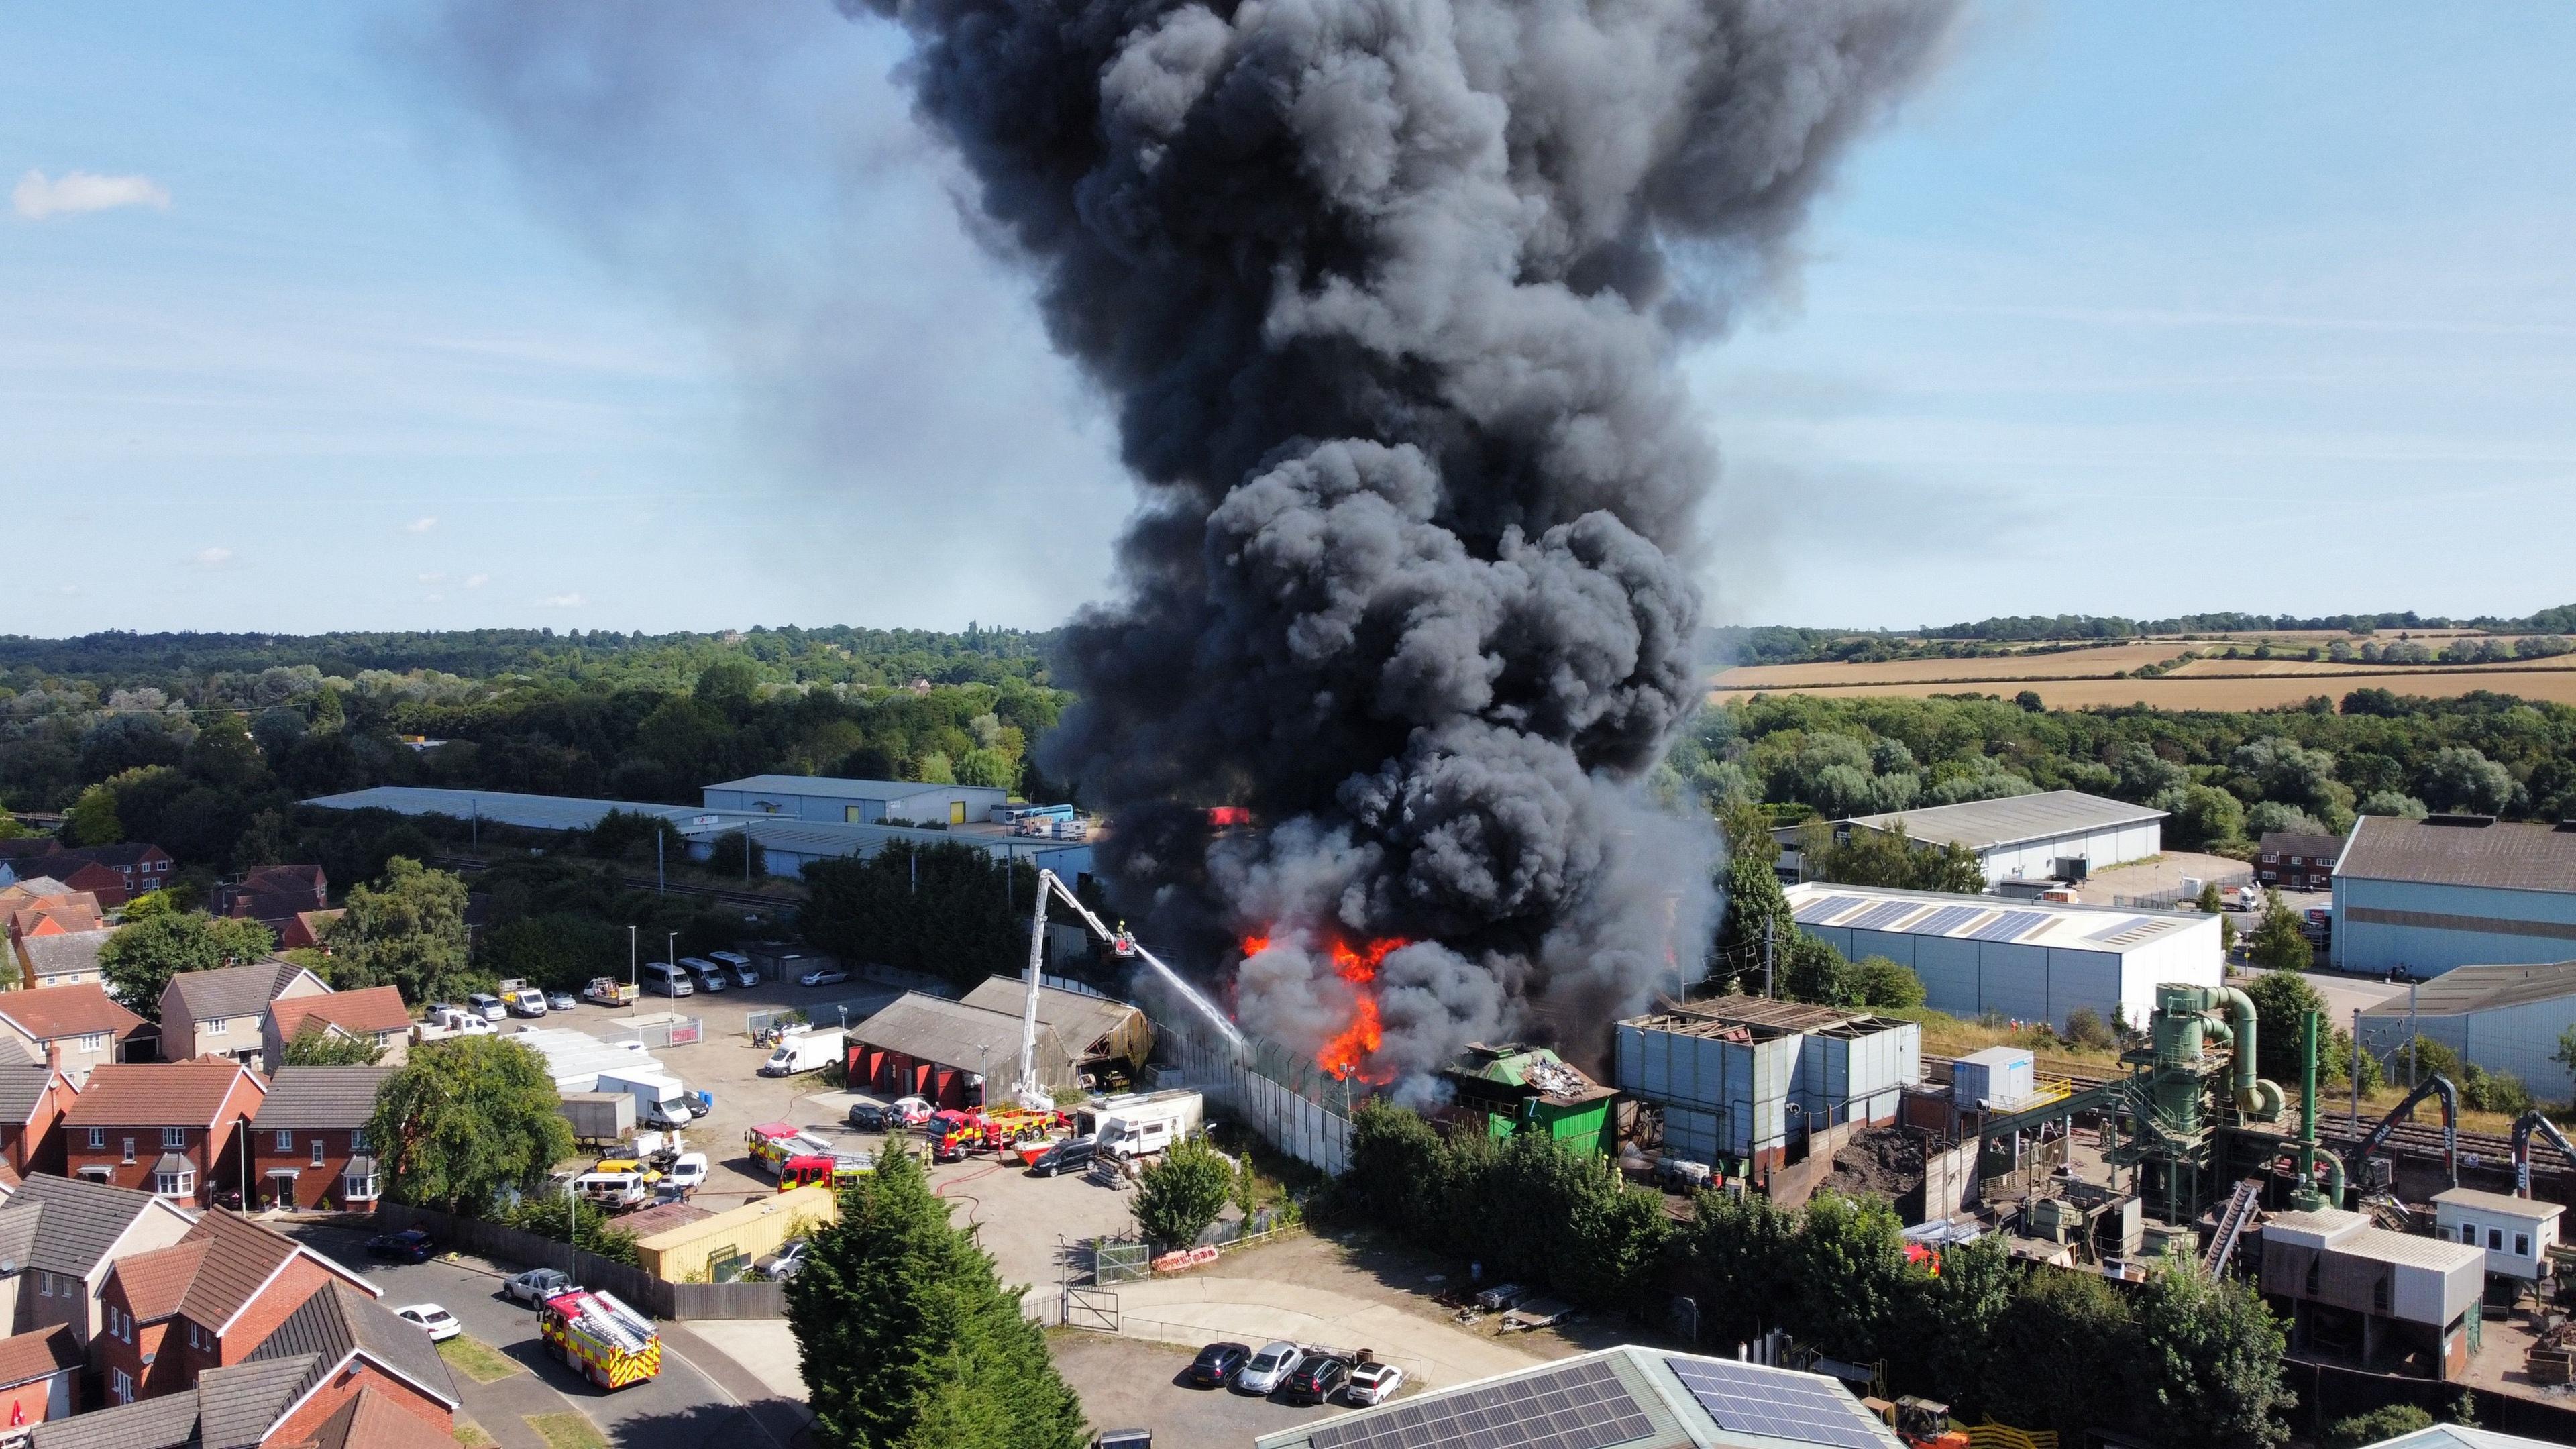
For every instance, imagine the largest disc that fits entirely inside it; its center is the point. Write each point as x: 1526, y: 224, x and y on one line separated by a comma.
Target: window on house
x: 219, y: 1026
x: 2522, y: 1245
x: 129, y: 1149
x: 95, y: 1041
x: 174, y: 1184
x: 97, y: 1137
x: 358, y: 1141
x: 317, y: 1149
x: 174, y: 1136
x: 44, y: 1284
x: 124, y: 1387
x: 359, y: 1187
x: 285, y: 1141
x: 2495, y: 1240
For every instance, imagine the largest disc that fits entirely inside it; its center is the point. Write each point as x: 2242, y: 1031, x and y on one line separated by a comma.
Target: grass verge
x: 477, y: 1360
x: 568, y: 1431
x: 470, y: 1435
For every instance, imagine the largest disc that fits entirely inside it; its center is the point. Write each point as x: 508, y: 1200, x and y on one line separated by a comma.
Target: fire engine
x: 839, y: 1169
x: 772, y: 1143
x: 600, y: 1338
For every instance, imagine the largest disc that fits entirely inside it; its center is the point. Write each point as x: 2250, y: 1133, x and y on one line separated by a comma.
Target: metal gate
x: 1092, y: 1308
x: 1120, y: 1260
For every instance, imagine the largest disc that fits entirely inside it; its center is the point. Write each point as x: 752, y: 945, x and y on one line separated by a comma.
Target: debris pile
x: 1884, y: 1161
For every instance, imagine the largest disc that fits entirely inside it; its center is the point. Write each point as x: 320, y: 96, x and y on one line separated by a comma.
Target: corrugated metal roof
x: 954, y: 1034
x: 2482, y: 988
x: 2382, y: 1246
x: 2497, y: 855
x: 2528, y: 1209
x: 828, y: 787
x: 535, y: 812
x: 2012, y: 819
x: 2064, y: 925
x: 1079, y: 1020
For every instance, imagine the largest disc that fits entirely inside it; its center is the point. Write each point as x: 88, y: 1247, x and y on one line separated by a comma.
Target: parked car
x: 434, y: 1320
x: 1266, y: 1370
x: 827, y: 976
x: 909, y: 1111
x: 868, y: 1116
x: 1123, y: 1439
x: 561, y: 1001
x: 411, y: 1245
x: 1373, y: 1383
x: 537, y: 1285
x: 784, y: 1264
x: 1218, y: 1363
x: 1315, y: 1380
x: 1073, y: 1154
x: 487, y: 1006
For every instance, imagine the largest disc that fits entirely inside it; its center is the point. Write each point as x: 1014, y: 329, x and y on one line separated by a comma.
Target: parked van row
x: 711, y: 973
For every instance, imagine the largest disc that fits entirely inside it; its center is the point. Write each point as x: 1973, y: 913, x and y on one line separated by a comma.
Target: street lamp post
x: 630, y: 957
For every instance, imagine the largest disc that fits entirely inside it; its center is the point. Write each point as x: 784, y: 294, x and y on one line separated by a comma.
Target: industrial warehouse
x: 2053, y: 835
x: 2426, y: 896
x: 2024, y: 960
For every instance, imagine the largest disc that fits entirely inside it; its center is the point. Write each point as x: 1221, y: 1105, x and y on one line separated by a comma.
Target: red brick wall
x: 300, y: 1426
x: 167, y: 1372
x: 312, y: 1184
x: 301, y: 1279
x: 26, y: 1403
x: 78, y: 1154
x: 38, y: 1147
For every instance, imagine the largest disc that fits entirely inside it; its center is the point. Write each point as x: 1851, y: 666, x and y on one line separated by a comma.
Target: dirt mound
x: 1886, y: 1161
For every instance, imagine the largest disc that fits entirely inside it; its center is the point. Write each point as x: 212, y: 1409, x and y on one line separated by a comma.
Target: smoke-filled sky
x: 298, y: 335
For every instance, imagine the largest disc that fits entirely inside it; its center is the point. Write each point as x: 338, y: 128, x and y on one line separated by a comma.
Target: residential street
x: 687, y: 1406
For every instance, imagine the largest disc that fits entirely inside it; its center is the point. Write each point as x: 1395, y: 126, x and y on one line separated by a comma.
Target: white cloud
x: 476, y: 581
x: 420, y: 525
x: 431, y: 578
x: 213, y: 558
x: 78, y: 191
x: 561, y: 601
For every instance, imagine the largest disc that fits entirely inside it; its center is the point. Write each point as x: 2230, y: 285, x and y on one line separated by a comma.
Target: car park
x: 1315, y: 1380
x: 825, y: 976
x: 437, y: 1322
x: 1218, y: 1363
x: 537, y: 1285
x: 1266, y: 1370
x: 1073, y: 1154
x: 1373, y: 1383
x: 411, y: 1245
x: 561, y: 1001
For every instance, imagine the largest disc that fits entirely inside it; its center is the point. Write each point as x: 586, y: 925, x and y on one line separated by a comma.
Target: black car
x: 1071, y: 1155
x: 1217, y: 1363
x: 411, y: 1245
x: 867, y: 1117
x: 1315, y: 1380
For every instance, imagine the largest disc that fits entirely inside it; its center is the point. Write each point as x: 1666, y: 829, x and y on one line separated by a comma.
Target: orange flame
x: 1346, y: 1055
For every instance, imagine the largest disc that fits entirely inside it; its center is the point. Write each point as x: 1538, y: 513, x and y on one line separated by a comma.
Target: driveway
x: 685, y: 1407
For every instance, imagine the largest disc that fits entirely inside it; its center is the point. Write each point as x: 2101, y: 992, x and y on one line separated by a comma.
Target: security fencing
x: 1292, y: 1104
x: 2177, y: 897
x: 652, y: 1033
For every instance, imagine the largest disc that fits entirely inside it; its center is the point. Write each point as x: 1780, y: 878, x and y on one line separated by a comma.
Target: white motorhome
x: 1134, y: 1124
x: 803, y: 1051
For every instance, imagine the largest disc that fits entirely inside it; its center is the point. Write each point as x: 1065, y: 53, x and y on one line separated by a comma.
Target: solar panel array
x: 1810, y: 912
x: 1751, y: 1399
x: 1581, y: 1407
x: 1947, y: 919
x: 2010, y: 926
x: 1883, y: 915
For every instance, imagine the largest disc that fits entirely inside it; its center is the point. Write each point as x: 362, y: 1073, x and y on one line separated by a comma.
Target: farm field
x: 2207, y: 692
x: 2239, y: 668
x: 2071, y: 663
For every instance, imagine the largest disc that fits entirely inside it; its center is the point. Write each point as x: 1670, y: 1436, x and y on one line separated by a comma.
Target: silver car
x: 537, y: 1285
x: 1269, y: 1368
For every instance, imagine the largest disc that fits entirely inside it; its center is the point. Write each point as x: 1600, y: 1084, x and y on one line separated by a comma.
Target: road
x: 685, y: 1407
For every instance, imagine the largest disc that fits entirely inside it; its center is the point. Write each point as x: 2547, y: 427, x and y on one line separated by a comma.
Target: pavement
x: 702, y: 1396
x: 1128, y: 1383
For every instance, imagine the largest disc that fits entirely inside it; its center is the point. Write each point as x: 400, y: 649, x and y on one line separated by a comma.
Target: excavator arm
x: 2435, y: 1086
x: 2528, y: 1123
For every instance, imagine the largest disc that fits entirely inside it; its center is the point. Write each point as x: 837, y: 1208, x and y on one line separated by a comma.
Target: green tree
x: 1736, y: 1255
x: 1182, y: 1194
x: 464, y: 1119
x: 1963, y: 1306
x: 1851, y: 1282
x: 2389, y: 1421
x: 2463, y: 778
x: 2056, y: 1356
x: 2565, y: 1055
x: 139, y: 960
x: 316, y: 1047
x: 1756, y: 908
x: 2281, y: 942
x: 1884, y: 983
x: 950, y: 910
x: 407, y: 931
x: 2209, y: 902
x: 223, y: 754
x: 724, y: 856
x: 2086, y: 1028
x: 93, y: 819
x: 2282, y: 1000
x: 557, y: 951
x: 2206, y: 1366
x: 1809, y: 968
x: 907, y: 1336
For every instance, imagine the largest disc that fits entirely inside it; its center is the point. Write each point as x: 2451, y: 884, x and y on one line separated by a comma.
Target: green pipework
x: 2180, y: 1032
x: 2306, y: 1198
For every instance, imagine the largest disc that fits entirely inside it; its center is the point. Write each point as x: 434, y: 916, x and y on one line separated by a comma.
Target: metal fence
x: 2177, y: 897
x: 654, y: 1295
x: 1295, y: 1106
x: 670, y: 1032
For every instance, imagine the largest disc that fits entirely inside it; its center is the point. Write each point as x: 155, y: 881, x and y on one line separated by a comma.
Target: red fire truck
x: 600, y: 1338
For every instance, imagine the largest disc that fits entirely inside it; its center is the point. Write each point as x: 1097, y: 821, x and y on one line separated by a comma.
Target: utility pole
x: 474, y: 826
x: 2410, y: 1036
x: 630, y: 957
x: 1767, y: 926
x: 2352, y: 1069
x: 661, y: 880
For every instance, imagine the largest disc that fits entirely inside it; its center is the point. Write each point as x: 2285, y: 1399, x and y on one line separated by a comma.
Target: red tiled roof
x: 27, y: 1357
x: 157, y: 1094
x: 50, y: 1012
x: 361, y: 1013
x: 77, y: 912
x: 156, y: 1281
x: 240, y: 1255
x: 372, y: 1420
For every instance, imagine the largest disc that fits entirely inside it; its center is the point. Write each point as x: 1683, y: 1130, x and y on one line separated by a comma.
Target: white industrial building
x: 2451, y: 891
x: 2504, y: 1018
x: 857, y: 802
x: 2059, y: 834
x: 2028, y: 960
x: 789, y: 845
x: 1741, y: 1078
x: 498, y: 807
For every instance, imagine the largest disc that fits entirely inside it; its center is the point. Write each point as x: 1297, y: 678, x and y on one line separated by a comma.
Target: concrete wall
x: 2437, y: 927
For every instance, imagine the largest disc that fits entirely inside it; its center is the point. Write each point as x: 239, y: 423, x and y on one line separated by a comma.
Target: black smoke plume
x: 1387, y: 294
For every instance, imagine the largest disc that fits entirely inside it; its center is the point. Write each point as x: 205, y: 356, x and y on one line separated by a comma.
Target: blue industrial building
x: 2454, y: 890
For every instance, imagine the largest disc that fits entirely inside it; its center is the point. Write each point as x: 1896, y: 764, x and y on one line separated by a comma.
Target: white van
x: 526, y: 1001
x: 709, y: 976
x: 744, y: 973
x: 665, y: 978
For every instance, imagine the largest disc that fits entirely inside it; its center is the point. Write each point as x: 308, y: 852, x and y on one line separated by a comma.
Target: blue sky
x: 2134, y: 310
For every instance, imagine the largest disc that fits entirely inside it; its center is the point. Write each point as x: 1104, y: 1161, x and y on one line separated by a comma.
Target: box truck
x: 599, y: 1116
x: 659, y: 1101
x: 803, y: 1051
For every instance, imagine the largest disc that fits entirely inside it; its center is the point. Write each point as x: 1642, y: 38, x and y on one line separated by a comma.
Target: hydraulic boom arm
x: 2435, y: 1086
x: 2530, y: 1122
x: 1120, y: 942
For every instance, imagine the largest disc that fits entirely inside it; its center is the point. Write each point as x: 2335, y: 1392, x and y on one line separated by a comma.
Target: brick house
x: 33, y: 1098
x: 168, y: 1128
x: 79, y: 1028
x: 275, y: 891
x: 66, y: 960
x: 138, y: 867
x: 2296, y: 862
x: 308, y: 1142
x: 208, y: 1300
x: 39, y: 1377
x: 59, y: 1236
x: 374, y: 1014
x: 219, y: 1013
x: 56, y: 914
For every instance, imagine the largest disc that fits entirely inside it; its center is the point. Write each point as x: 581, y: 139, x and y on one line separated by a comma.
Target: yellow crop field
x: 2237, y: 668
x: 2239, y: 692
x: 2068, y: 664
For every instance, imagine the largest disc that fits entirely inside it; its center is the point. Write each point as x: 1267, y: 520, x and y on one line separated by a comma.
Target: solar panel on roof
x: 1883, y: 915
x: 1583, y: 1406
x: 1947, y: 919
x: 2009, y: 926
x: 1810, y: 912
x: 1751, y: 1399
x: 2118, y: 925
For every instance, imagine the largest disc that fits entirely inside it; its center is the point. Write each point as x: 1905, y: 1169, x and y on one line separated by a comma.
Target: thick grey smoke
x: 1386, y: 294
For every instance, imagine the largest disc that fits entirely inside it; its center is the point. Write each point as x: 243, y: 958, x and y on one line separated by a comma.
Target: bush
x: 2362, y: 1430
x: 2085, y: 1028
x: 1883, y: 983
x: 1182, y: 1194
